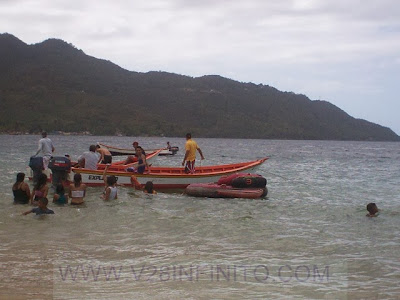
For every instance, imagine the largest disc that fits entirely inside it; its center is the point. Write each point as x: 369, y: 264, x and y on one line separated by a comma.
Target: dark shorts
x: 107, y: 159
x: 141, y: 169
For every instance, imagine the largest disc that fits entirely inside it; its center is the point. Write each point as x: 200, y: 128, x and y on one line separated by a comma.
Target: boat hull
x: 165, y: 178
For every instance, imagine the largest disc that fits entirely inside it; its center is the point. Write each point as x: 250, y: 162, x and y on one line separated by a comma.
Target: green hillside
x: 54, y: 86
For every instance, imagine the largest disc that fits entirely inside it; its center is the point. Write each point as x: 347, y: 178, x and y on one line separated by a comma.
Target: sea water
x: 309, y: 238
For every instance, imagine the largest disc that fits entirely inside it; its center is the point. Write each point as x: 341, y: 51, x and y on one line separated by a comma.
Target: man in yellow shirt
x: 190, y: 154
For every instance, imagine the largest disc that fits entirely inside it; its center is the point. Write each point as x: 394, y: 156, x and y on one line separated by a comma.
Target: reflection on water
x: 309, y: 239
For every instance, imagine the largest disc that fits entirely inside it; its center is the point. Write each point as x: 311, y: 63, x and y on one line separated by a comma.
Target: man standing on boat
x: 105, y: 155
x: 47, y: 149
x: 190, y: 154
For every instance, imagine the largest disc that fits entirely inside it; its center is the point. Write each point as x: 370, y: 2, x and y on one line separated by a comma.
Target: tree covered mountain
x: 54, y: 86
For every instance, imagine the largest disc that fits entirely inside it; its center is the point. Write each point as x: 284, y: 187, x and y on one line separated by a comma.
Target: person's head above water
x: 372, y: 209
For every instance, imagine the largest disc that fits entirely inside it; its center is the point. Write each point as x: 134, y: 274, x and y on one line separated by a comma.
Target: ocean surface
x: 309, y: 239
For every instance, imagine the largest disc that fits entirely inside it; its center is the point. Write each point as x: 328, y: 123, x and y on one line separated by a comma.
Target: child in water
x: 41, y: 209
x: 110, y: 182
x: 148, y: 188
x: 40, y: 189
x: 373, y: 210
x: 60, y: 197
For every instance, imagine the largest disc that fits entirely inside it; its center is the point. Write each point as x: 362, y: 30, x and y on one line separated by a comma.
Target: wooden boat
x: 215, y: 190
x: 168, y: 177
x: 115, y: 151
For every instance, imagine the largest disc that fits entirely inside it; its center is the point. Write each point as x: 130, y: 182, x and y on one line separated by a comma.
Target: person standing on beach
x: 46, y: 148
x: 190, y: 154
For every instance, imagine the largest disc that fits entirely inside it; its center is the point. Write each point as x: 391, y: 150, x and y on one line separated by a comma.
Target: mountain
x: 55, y: 86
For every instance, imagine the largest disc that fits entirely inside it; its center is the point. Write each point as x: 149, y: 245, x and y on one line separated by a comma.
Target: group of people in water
x: 75, y: 196
x: 89, y: 160
x: 38, y: 197
x: 77, y: 192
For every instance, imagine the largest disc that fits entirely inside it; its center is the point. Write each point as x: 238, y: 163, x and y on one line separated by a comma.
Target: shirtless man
x: 105, y: 155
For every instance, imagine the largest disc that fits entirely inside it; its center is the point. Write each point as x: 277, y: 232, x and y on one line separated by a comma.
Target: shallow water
x: 308, y: 239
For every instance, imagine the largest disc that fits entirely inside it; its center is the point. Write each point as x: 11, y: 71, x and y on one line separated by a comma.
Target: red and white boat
x: 165, y: 178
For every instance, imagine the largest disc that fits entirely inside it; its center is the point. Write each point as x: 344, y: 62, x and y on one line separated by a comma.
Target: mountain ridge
x: 64, y: 89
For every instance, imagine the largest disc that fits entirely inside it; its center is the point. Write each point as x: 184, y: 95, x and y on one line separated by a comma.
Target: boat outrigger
x: 115, y: 151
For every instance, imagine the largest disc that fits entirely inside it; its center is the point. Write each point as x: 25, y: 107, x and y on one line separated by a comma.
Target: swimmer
x: 110, y: 183
x: 148, y: 188
x: 41, y: 209
x: 373, y: 210
x: 60, y: 197
x: 77, y: 190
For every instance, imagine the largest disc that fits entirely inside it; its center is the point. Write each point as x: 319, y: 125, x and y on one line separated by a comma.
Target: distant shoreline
x: 61, y: 133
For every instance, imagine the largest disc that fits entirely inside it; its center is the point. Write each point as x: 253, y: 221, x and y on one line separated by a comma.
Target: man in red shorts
x: 190, y: 154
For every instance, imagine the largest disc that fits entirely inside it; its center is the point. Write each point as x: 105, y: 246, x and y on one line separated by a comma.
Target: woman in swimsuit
x: 142, y: 163
x: 77, y: 190
x: 110, y: 182
x: 40, y: 189
x: 21, y: 190
x: 60, y: 197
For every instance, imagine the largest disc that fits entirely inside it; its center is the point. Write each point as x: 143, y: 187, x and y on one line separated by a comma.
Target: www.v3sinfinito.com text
x: 194, y: 273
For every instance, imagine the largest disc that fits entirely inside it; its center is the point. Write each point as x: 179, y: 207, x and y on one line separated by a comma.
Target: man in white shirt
x: 46, y: 148
x: 89, y: 159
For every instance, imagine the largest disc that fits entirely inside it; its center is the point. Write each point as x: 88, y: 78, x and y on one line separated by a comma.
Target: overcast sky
x: 344, y: 51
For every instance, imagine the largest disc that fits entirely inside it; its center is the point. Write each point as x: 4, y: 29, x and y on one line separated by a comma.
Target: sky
x: 346, y: 52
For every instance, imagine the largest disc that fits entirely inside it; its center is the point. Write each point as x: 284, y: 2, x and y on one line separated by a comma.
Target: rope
x: 288, y: 179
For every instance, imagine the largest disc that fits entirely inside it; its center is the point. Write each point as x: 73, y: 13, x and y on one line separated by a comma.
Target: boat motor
x: 59, y: 166
x: 36, y: 164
